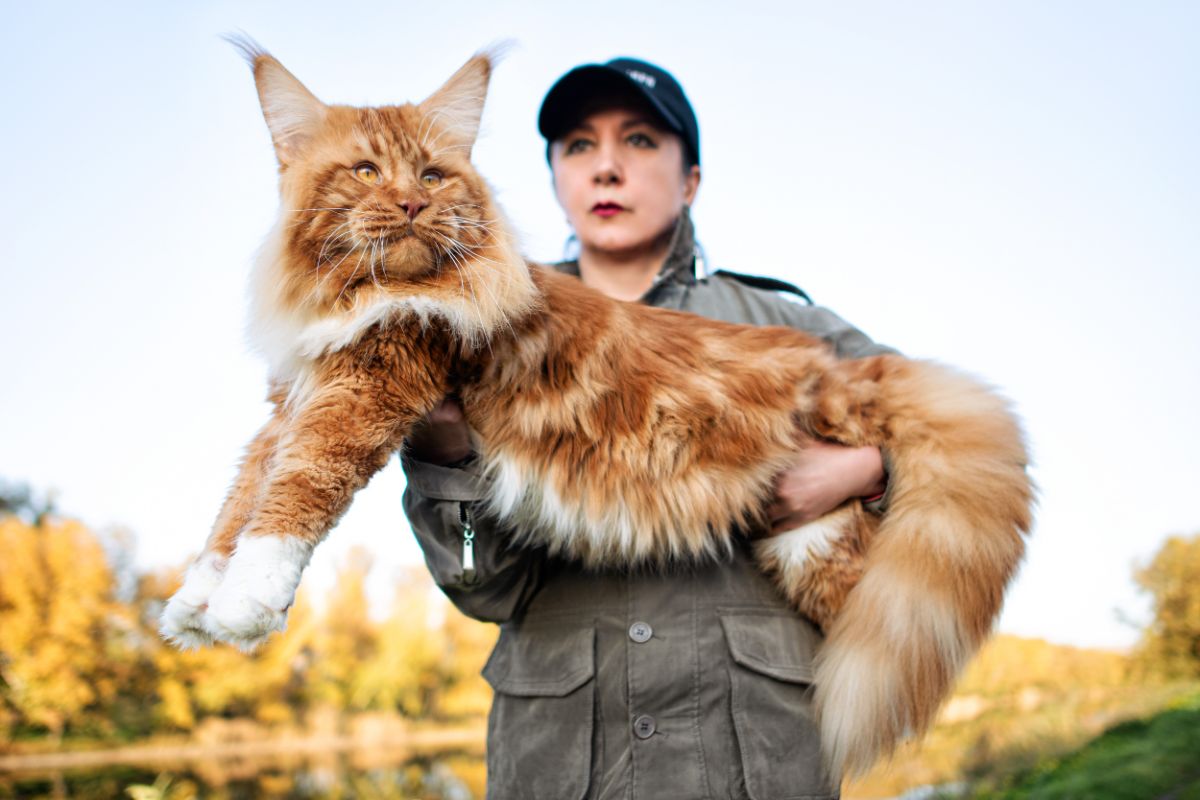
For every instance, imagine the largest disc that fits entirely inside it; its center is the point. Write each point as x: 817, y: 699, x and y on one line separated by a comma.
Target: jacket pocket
x: 770, y: 682
x: 540, y: 726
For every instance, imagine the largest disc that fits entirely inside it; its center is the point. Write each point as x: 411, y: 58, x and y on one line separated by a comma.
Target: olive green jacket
x: 688, y: 683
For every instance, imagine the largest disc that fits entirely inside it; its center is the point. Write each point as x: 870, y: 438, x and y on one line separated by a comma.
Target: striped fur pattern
x: 614, y: 433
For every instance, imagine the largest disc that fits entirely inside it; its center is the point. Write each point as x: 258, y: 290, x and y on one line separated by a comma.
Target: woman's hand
x: 824, y: 476
x: 443, y: 437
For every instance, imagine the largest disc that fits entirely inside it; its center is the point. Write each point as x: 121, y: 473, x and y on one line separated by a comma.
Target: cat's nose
x: 412, y: 207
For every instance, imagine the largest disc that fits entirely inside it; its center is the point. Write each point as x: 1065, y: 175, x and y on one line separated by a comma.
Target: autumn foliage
x: 80, y: 655
x: 1171, y: 643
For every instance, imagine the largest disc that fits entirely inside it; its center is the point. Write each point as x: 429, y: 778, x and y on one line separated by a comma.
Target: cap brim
x: 560, y: 109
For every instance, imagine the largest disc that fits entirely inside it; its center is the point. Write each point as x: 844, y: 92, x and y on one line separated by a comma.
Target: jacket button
x: 640, y: 632
x: 644, y: 727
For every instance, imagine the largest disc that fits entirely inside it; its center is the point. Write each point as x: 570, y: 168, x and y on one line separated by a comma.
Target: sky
x: 1012, y: 188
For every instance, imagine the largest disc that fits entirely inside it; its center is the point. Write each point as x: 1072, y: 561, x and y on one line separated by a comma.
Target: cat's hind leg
x: 817, y: 564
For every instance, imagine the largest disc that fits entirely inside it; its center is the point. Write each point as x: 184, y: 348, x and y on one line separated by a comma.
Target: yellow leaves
x: 175, y: 705
x: 1007, y: 664
x: 56, y: 607
x: 75, y: 658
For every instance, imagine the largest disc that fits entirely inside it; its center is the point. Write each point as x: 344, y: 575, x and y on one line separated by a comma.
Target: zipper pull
x: 468, y: 545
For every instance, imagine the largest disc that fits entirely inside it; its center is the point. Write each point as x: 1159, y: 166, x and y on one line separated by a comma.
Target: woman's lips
x: 607, y: 209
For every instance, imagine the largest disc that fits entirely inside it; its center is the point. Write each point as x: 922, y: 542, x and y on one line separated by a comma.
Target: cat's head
x: 384, y: 201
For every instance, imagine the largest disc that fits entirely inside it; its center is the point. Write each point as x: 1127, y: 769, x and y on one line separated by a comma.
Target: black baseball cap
x: 561, y: 107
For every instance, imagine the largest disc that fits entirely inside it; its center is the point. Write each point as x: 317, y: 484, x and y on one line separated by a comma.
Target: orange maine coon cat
x: 613, y: 432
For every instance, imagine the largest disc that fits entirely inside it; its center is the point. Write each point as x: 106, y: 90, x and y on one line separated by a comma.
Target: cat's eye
x: 367, y: 173
x: 431, y: 178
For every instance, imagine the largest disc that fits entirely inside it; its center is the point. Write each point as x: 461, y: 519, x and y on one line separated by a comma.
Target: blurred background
x: 1011, y: 188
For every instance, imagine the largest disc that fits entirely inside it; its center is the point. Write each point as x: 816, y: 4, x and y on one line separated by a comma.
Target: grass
x: 1157, y: 757
x: 1027, y: 708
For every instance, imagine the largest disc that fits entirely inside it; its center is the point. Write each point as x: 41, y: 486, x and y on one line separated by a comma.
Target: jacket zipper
x: 468, y: 544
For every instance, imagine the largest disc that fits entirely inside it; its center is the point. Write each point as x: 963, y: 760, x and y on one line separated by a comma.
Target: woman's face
x: 621, y: 180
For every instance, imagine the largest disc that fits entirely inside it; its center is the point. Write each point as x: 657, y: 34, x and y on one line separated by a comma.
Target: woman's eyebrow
x: 582, y: 127
x: 638, y: 122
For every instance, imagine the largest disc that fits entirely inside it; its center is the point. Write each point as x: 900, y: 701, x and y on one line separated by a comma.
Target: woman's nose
x: 607, y: 169
x: 606, y: 177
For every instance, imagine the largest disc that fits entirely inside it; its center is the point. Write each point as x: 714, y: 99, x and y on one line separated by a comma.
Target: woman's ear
x: 691, y: 184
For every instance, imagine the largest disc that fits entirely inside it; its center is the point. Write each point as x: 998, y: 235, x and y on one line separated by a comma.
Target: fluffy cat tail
x: 937, y: 568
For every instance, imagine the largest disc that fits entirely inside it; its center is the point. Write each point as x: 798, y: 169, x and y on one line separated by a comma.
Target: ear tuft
x: 245, y: 44
x: 498, y: 51
x: 457, y: 107
x: 293, y: 113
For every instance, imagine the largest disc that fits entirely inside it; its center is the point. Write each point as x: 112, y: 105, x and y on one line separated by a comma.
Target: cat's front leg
x: 182, y: 620
x: 361, y: 407
x: 257, y: 589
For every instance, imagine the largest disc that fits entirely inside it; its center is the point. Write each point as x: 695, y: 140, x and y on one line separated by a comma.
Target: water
x: 441, y: 776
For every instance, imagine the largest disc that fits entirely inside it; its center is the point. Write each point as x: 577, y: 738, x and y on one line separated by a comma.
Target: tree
x: 346, y: 638
x: 58, y: 618
x: 402, y: 670
x: 19, y: 500
x: 1171, y: 644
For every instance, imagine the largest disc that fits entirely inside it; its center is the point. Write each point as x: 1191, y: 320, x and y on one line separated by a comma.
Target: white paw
x: 182, y: 622
x: 258, y: 588
x: 241, y: 620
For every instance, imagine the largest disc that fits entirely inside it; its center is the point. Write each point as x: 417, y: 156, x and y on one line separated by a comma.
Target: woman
x: 686, y: 683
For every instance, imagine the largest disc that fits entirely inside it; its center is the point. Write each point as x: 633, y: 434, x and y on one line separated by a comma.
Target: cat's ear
x: 457, y: 107
x: 293, y: 113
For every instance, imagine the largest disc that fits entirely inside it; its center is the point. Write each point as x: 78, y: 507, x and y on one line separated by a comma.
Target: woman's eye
x: 576, y: 146
x: 640, y: 140
x: 367, y: 173
x: 431, y: 178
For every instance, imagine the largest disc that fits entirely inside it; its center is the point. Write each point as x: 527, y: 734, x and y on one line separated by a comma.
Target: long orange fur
x: 613, y: 432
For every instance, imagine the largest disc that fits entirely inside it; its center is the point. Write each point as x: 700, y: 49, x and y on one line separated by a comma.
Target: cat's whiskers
x: 499, y: 307
x: 427, y: 125
x: 475, y: 228
x: 350, y: 277
x: 438, y: 254
x: 335, y: 236
x: 314, y: 293
x: 483, y: 223
x: 448, y: 107
x: 460, y: 267
x: 378, y: 246
x: 461, y: 254
x: 354, y: 246
x: 437, y: 153
x: 426, y: 120
x: 433, y: 116
x: 460, y: 262
x: 474, y: 253
x: 312, y: 219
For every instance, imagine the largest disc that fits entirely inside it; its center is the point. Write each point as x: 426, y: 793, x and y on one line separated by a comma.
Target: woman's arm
x: 826, y: 474
x: 467, y: 555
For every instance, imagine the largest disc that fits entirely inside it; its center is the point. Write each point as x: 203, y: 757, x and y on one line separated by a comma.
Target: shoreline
x: 458, y: 737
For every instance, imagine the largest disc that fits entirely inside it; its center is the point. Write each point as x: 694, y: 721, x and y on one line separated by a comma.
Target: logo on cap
x: 641, y: 77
